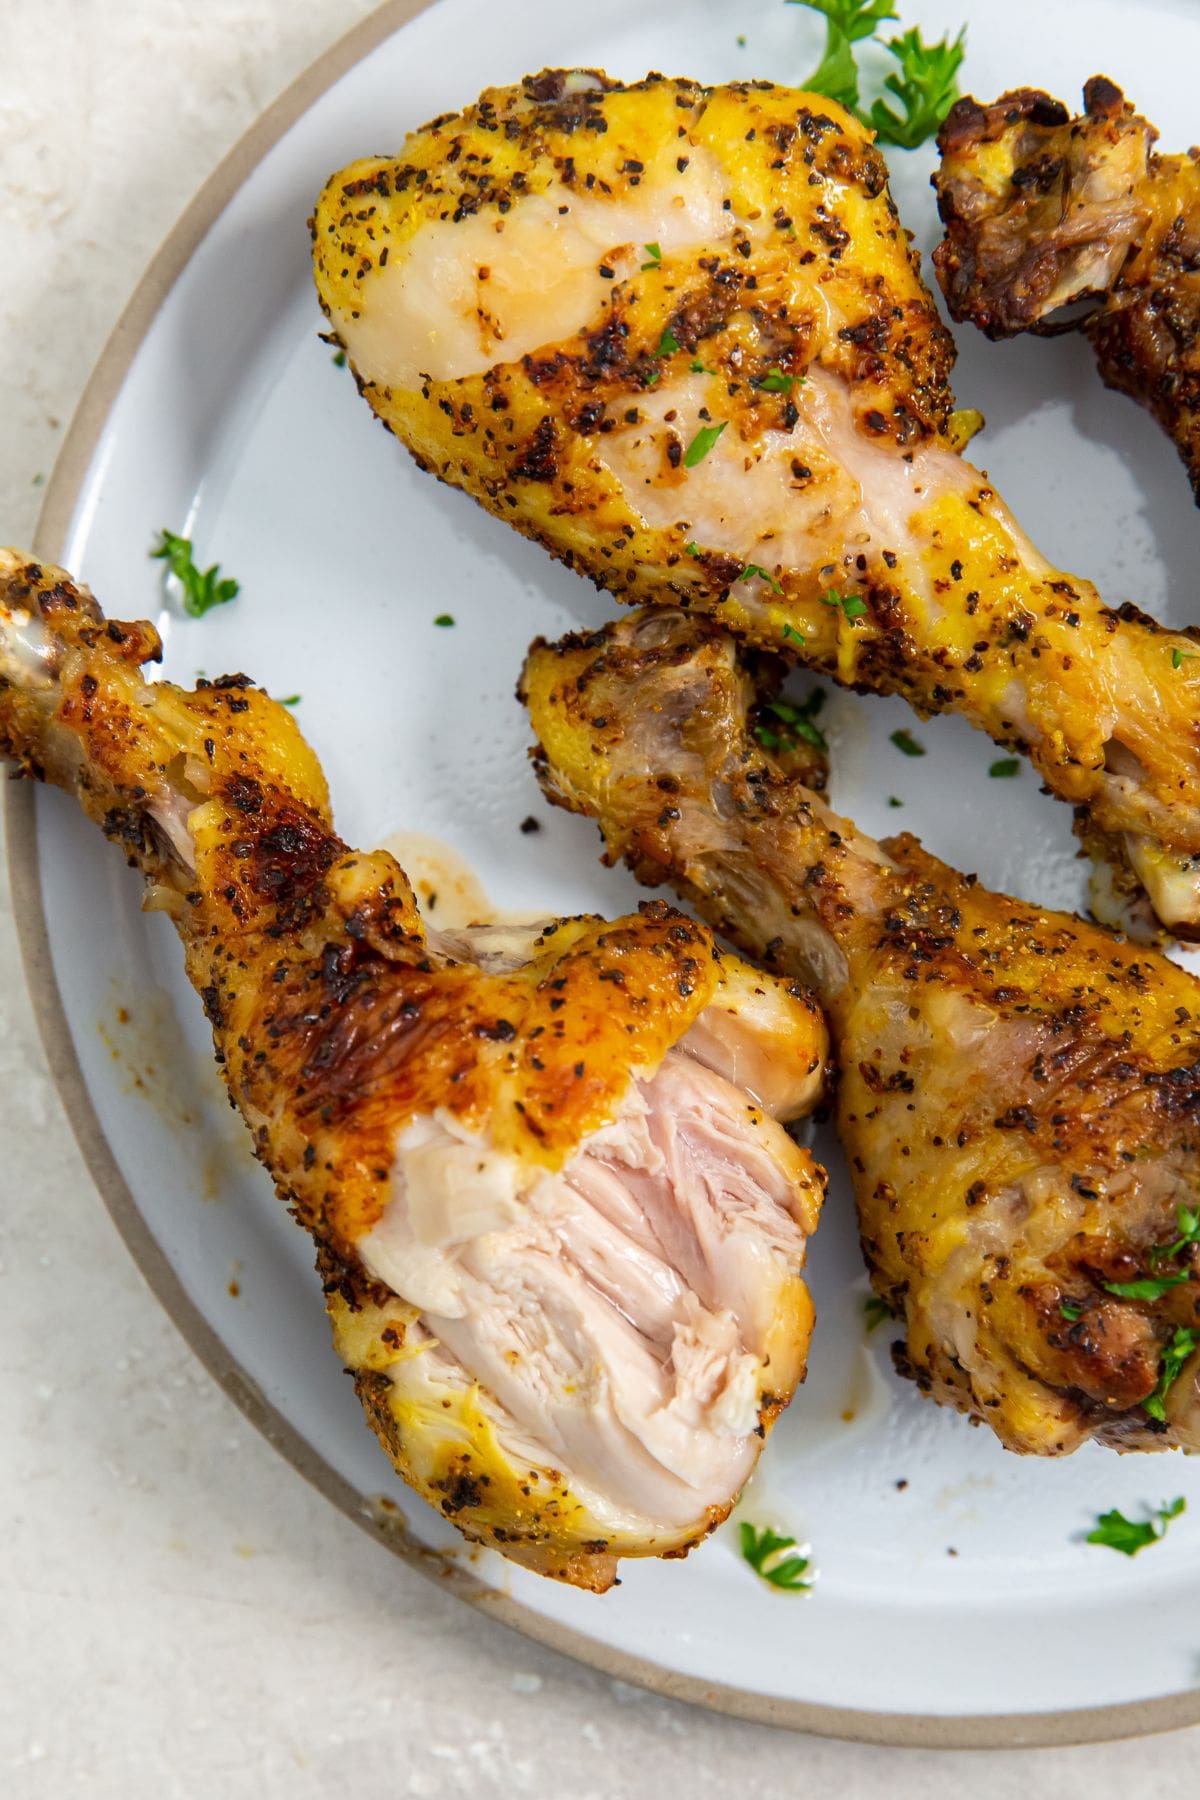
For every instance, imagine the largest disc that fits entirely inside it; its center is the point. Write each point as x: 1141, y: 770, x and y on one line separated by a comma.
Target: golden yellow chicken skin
x: 678, y: 335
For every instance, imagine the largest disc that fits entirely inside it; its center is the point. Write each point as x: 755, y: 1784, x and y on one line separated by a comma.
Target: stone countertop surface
x: 182, y: 1614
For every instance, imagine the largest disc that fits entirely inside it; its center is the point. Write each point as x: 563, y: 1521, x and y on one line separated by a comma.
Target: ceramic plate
x: 957, y: 1601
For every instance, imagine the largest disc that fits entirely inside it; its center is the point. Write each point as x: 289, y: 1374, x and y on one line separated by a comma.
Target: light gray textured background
x: 179, y: 1614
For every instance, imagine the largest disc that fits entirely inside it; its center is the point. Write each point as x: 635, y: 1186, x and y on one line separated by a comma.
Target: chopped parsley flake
x: 892, y: 801
x: 1005, y: 766
x: 702, y: 443
x: 1174, y: 1357
x: 699, y: 368
x: 907, y: 743
x: 875, y: 1311
x: 1187, y: 1219
x: 925, y: 81
x: 1071, y: 1309
x: 1179, y: 657
x: 1116, y: 1532
x: 1148, y: 1287
x: 668, y: 343
x: 339, y: 359
x: 851, y: 604
x: 753, y: 569
x: 693, y: 548
x: 778, y: 1560
x: 1153, y: 1287
x: 654, y: 253
x: 290, y: 700
x: 444, y: 619
x: 796, y: 722
x: 775, y: 382
x: 202, y: 589
x: 791, y: 635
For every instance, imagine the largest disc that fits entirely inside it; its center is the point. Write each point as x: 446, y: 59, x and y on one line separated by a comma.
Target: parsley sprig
x: 1116, y: 1532
x: 926, y: 85
x: 778, y: 1560
x: 202, y: 588
x: 917, y: 94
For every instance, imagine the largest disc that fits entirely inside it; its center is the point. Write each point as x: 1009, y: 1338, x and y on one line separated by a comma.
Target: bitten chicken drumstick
x: 1020, y: 1092
x: 1043, y: 211
x: 677, y: 334
x: 559, y: 1226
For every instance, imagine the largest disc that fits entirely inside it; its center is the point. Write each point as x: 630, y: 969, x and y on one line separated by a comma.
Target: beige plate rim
x: 928, y: 1731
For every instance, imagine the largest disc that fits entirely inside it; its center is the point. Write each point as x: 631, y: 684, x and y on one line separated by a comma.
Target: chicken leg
x: 560, y: 1229
x: 677, y: 334
x: 1020, y: 1092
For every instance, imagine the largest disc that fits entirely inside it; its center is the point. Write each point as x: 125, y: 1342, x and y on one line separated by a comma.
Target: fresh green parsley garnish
x: 777, y: 1559
x: 1006, y: 765
x: 702, y: 443
x: 339, y: 359
x: 753, y: 569
x: 775, y: 382
x: 925, y: 84
x: 38, y: 480
x: 1116, y: 1532
x: 699, y: 368
x: 906, y: 742
x: 741, y: 42
x: 1148, y: 1287
x: 1179, y: 657
x: 668, y: 343
x: 793, y: 636
x: 1187, y: 1219
x: 654, y: 253
x: 875, y: 1311
x: 202, y: 589
x: 693, y: 549
x: 1153, y: 1287
x: 851, y: 604
x: 797, y: 722
x: 290, y: 700
x: 444, y: 619
x: 1071, y: 1309
x: 892, y: 801
x: 1174, y: 1356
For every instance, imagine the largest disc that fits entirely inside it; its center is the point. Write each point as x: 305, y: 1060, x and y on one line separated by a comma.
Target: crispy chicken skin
x: 560, y: 1226
x: 1019, y: 1096
x: 678, y: 335
x: 1042, y: 210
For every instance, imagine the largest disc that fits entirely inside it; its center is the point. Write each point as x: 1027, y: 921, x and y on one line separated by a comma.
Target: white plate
x: 955, y: 1589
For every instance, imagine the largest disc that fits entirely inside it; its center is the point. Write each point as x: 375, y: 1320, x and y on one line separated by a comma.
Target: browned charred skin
x: 1043, y: 211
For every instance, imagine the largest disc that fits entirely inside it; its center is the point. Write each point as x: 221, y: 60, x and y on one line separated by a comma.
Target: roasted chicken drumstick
x: 677, y: 334
x: 1020, y: 1092
x: 1043, y: 211
x: 559, y: 1225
